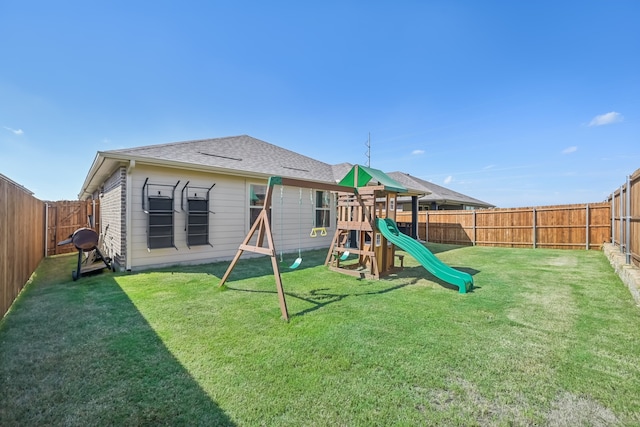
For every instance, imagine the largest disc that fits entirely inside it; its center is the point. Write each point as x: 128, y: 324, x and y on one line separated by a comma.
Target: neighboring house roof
x: 340, y: 170
x: 235, y: 155
x: 440, y: 195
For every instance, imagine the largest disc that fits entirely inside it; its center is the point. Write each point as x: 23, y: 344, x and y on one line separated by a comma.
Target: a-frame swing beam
x: 262, y: 226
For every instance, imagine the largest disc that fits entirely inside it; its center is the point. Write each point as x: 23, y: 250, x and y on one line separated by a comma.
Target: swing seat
x: 344, y: 255
x: 296, y: 263
x: 315, y: 230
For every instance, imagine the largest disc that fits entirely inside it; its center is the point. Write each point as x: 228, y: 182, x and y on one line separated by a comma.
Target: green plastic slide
x: 428, y: 260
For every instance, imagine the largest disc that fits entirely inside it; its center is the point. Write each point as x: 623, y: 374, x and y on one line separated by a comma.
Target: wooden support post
x: 263, y: 227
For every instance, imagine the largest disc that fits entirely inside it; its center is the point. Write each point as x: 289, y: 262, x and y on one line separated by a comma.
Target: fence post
x: 628, y: 224
x: 587, y: 221
x: 46, y: 230
x: 474, y: 227
x: 535, y: 231
x: 621, y: 236
x: 613, y: 220
x: 426, y: 225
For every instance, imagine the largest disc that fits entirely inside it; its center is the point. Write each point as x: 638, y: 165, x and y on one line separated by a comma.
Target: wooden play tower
x: 375, y: 196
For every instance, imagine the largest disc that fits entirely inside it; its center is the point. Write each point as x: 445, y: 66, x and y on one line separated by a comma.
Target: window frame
x: 322, y: 213
x: 254, y: 210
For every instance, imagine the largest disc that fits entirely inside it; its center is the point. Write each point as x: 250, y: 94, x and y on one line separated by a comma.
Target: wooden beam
x: 292, y: 182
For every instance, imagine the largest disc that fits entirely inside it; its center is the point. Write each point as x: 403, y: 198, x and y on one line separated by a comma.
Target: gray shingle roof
x: 438, y: 194
x: 244, y: 154
x: 241, y: 153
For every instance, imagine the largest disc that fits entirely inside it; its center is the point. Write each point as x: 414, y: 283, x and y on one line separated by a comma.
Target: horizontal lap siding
x: 293, y: 218
x: 228, y: 226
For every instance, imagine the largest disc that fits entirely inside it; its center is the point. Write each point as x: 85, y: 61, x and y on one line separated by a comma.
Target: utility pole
x: 368, y: 153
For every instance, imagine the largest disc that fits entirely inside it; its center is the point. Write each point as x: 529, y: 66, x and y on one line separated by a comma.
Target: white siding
x: 292, y: 225
x: 228, y: 226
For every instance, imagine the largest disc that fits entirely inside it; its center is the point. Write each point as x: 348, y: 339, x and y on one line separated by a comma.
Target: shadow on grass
x: 419, y: 272
x: 93, y: 360
x: 437, y: 248
x: 248, y: 266
x: 321, y: 297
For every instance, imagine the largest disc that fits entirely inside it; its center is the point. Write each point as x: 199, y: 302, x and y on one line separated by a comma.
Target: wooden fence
x: 22, y: 239
x: 625, y: 218
x: 66, y: 216
x: 585, y: 226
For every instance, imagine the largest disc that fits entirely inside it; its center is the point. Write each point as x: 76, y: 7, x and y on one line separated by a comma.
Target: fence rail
x: 625, y: 218
x: 21, y: 239
x: 585, y: 226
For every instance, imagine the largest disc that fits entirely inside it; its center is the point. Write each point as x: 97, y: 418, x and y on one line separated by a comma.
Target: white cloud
x: 417, y: 152
x: 606, y: 119
x: 15, y: 131
x: 570, y: 150
x: 448, y: 179
x: 489, y: 167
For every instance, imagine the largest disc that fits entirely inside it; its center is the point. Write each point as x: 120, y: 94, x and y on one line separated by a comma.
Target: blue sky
x: 514, y: 103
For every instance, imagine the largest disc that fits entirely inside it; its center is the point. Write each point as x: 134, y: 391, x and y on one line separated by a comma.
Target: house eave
x: 106, y: 163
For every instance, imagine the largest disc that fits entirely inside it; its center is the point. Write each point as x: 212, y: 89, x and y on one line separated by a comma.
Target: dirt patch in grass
x: 570, y: 411
x: 463, y: 400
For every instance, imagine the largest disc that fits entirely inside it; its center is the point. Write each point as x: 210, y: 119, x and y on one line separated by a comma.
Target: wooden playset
x: 358, y: 206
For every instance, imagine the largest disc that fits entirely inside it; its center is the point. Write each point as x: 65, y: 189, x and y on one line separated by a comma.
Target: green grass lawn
x: 547, y: 337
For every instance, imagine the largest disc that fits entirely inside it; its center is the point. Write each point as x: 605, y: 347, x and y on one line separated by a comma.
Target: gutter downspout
x: 128, y: 214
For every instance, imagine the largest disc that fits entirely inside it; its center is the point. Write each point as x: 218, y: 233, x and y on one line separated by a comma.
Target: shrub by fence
x: 625, y: 218
x: 585, y: 226
x: 22, y: 238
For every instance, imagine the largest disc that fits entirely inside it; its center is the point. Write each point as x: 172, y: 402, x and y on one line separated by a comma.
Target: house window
x: 160, y: 225
x: 197, y: 222
x: 323, y: 208
x: 157, y: 203
x: 197, y: 207
x: 257, y: 194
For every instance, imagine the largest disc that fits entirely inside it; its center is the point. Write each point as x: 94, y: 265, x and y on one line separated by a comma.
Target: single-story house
x: 435, y: 196
x: 194, y: 202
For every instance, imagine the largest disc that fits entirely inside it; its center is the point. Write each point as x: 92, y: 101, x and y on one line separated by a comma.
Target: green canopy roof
x: 366, y: 174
